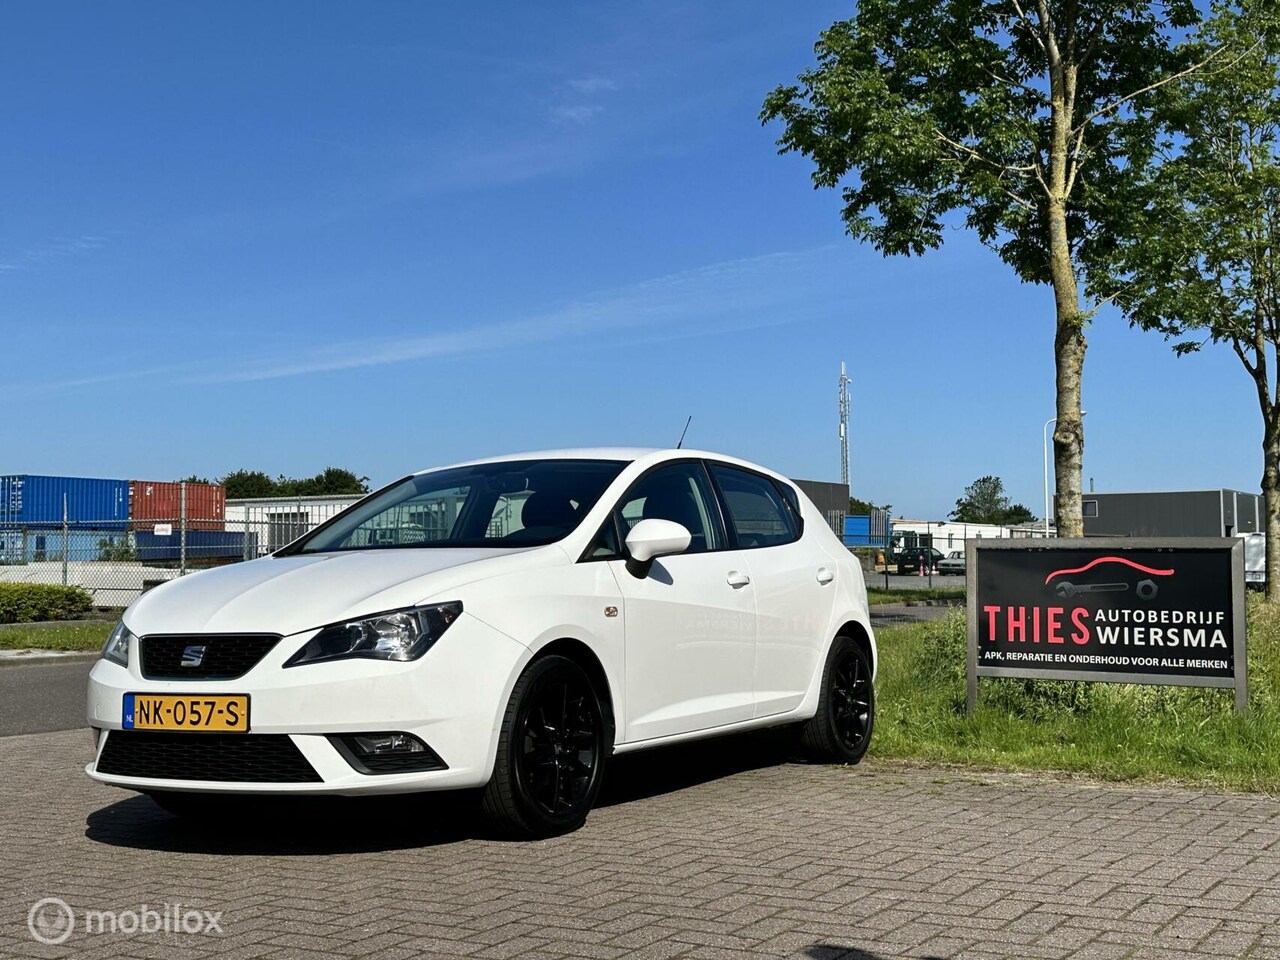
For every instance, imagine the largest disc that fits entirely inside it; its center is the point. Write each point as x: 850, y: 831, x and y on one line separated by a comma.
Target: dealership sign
x: 1165, y: 611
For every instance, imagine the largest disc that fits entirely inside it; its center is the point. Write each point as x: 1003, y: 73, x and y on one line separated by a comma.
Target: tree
x: 1203, y: 258
x: 1025, y: 118
x: 863, y: 508
x: 331, y: 482
x: 985, y: 501
x: 335, y: 481
x: 248, y: 484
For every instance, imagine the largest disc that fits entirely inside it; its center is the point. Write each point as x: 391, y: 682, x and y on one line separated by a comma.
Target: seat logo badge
x: 193, y: 655
x: 610, y: 611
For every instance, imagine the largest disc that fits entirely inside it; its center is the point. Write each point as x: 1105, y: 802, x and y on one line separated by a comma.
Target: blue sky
x: 386, y: 236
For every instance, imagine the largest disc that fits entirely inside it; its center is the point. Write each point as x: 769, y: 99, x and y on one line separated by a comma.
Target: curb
x: 32, y: 657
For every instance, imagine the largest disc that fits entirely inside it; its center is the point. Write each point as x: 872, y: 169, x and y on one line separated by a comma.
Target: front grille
x: 228, y: 757
x: 208, y: 657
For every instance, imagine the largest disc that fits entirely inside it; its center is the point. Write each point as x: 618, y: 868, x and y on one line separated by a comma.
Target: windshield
x: 518, y: 503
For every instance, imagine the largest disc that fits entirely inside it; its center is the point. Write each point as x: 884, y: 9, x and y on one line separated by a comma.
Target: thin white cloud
x: 716, y: 299
x: 50, y: 251
x: 576, y: 113
x: 583, y: 106
x: 734, y: 294
x: 589, y: 86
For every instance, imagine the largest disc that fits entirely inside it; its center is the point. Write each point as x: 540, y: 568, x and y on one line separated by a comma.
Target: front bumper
x: 452, y: 699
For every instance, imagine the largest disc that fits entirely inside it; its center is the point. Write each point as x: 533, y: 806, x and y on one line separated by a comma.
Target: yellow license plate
x: 167, y: 711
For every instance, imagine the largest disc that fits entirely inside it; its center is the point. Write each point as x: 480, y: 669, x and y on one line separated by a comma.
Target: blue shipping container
x: 42, y: 544
x: 857, y: 531
x: 201, y: 545
x: 33, y: 501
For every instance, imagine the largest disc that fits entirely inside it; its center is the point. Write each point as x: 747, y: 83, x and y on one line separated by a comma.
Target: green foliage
x: 110, y: 548
x: 1104, y: 730
x: 332, y: 481
x: 31, y: 602
x: 248, y: 485
x: 862, y: 508
x: 1202, y: 255
x: 985, y: 501
x: 918, y: 109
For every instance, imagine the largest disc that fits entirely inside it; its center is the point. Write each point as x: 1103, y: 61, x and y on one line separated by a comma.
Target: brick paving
x: 694, y: 853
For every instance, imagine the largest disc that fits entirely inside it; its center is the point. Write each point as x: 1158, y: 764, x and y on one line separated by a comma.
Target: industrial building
x: 1173, y: 513
x: 276, y: 521
x: 831, y: 499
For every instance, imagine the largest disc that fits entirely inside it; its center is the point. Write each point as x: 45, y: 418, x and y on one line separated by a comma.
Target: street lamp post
x: 1083, y: 414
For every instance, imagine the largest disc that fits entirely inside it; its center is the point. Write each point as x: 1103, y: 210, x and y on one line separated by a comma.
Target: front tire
x: 551, y: 752
x: 840, y: 731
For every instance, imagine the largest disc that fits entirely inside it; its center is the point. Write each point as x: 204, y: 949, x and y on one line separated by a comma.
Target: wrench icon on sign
x: 1068, y: 589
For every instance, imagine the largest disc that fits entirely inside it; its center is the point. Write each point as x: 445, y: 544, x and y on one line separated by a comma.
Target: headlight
x: 395, y: 635
x: 117, y: 647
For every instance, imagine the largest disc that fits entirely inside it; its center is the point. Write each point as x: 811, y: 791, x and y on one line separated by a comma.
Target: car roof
x: 626, y: 454
x: 569, y: 453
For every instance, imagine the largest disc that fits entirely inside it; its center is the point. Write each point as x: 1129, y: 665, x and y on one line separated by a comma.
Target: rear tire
x: 840, y: 731
x: 551, y: 752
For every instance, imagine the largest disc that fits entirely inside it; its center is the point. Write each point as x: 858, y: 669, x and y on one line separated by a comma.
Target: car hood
x: 288, y: 595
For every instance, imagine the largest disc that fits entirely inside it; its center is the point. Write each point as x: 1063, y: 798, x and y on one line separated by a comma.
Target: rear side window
x: 757, y: 512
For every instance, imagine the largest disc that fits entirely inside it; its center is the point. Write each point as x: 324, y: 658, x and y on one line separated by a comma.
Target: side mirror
x: 654, y: 538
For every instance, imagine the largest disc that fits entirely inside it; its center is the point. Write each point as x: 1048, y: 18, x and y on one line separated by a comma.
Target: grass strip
x: 1103, y: 730
x: 878, y: 595
x: 73, y: 636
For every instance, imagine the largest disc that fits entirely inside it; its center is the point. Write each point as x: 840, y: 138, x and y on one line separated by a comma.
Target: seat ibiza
x: 505, y: 625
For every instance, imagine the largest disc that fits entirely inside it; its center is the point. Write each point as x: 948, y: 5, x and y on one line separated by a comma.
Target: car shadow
x: 322, y: 826
x: 637, y: 776
x: 831, y: 951
x: 291, y: 826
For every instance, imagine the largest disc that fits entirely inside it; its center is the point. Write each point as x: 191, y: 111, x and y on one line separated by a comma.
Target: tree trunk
x: 1068, y: 435
x: 1271, y: 503
x: 1068, y: 354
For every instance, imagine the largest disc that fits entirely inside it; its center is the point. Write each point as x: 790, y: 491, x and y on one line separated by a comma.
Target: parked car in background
x: 952, y: 563
x: 909, y: 559
x: 504, y: 625
x: 1255, y: 560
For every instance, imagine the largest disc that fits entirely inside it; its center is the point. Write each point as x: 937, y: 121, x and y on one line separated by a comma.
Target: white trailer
x: 1255, y: 559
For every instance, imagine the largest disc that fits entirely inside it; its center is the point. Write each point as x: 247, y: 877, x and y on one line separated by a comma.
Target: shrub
x: 31, y: 602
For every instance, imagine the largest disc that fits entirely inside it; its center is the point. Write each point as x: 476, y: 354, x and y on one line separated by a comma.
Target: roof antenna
x: 684, y: 431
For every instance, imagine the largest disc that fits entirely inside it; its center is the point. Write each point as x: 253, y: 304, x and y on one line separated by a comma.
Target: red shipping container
x: 152, y: 502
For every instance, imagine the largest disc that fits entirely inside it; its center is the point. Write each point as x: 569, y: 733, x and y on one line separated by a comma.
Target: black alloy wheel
x: 550, y: 753
x: 840, y: 730
x: 850, y: 700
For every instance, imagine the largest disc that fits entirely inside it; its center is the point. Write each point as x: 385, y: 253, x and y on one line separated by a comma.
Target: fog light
x: 391, y: 752
x: 380, y: 743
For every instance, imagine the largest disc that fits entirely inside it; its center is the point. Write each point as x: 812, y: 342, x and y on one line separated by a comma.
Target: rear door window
x: 757, y: 513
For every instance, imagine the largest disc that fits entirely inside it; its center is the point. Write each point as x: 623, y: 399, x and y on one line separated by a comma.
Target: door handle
x: 737, y: 579
x: 826, y: 575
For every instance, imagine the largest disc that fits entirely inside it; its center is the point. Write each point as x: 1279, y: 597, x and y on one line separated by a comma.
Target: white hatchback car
x: 505, y: 624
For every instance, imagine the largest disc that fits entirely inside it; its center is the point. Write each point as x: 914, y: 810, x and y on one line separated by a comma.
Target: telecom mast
x: 844, y: 425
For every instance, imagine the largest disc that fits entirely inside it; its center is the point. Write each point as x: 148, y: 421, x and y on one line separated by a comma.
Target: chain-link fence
x: 116, y: 562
